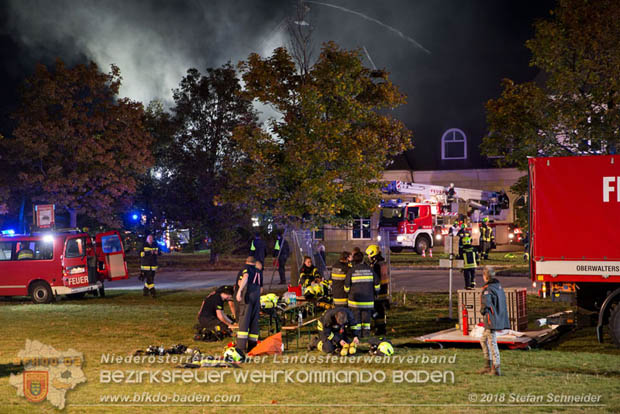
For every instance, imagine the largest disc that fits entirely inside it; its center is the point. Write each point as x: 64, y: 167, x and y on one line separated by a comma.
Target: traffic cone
x: 424, y: 253
x: 430, y: 252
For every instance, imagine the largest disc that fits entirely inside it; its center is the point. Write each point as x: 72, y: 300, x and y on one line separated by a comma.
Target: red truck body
x: 575, y: 219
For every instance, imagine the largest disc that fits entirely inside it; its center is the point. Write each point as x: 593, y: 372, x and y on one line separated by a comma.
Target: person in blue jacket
x: 495, y: 315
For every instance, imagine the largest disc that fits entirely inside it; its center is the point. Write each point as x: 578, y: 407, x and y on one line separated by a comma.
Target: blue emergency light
x: 9, y: 232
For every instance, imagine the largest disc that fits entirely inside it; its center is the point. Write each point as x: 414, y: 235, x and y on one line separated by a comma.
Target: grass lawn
x: 124, y: 321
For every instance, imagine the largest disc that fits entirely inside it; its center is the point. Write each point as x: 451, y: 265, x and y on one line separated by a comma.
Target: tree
x: 76, y: 144
x: 197, y: 165
x: 575, y: 110
x: 323, y: 159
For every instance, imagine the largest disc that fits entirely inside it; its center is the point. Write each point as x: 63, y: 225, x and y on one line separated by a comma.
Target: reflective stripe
x: 355, y: 304
x: 141, y: 254
x: 338, y: 276
x: 377, y: 287
x: 356, y: 327
x: 356, y: 278
x: 149, y: 285
x: 148, y: 268
x: 331, y: 335
x: 319, y: 325
x: 150, y: 249
x: 242, y: 334
x: 365, y: 326
x: 340, y: 301
x: 346, y: 289
x: 253, y: 336
x: 252, y: 248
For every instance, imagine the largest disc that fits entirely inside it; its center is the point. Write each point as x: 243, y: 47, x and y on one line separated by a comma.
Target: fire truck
x: 416, y: 225
x: 574, y: 211
x: 62, y: 262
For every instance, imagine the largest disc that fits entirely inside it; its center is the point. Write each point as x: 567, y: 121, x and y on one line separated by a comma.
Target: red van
x: 46, y: 265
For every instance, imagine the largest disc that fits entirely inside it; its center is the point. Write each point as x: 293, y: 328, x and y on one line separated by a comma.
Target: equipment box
x: 516, y: 301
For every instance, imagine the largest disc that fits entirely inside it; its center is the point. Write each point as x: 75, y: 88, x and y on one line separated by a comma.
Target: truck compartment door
x: 111, y: 256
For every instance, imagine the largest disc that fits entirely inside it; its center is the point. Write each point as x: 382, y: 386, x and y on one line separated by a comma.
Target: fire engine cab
x: 410, y: 225
x: 46, y: 265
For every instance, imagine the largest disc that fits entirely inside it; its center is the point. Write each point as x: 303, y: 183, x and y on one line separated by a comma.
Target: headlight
x: 438, y: 236
x: 378, y: 238
x: 48, y: 238
x: 511, y: 236
x: 399, y: 238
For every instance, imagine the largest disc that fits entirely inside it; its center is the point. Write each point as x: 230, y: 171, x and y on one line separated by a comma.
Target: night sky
x: 473, y: 45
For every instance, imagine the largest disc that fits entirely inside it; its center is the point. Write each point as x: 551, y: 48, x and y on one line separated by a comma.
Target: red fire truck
x: 71, y: 263
x: 410, y: 225
x: 574, y: 233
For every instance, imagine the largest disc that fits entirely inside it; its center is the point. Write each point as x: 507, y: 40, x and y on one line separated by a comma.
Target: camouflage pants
x: 489, y: 346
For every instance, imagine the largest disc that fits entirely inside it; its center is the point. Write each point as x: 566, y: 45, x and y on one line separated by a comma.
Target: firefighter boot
x: 153, y: 294
x: 352, y: 349
x: 487, y: 368
x: 313, y: 343
x: 495, y: 371
x: 145, y: 291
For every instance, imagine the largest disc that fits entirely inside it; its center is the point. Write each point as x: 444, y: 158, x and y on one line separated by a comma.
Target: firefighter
x: 308, y: 273
x: 281, y: 252
x: 339, y: 272
x: 382, y: 301
x: 258, y: 250
x: 362, y: 283
x: 212, y: 321
x: 248, y: 296
x: 495, y: 315
x: 148, y: 265
x: 332, y: 327
x: 462, y: 233
x: 470, y: 263
x: 486, y: 239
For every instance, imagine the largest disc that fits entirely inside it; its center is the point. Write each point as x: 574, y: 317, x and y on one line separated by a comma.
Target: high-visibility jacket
x: 339, y: 273
x: 148, y: 257
x: 361, y: 283
x: 486, y: 234
x: 307, y: 275
x: 470, y: 257
x: 379, y: 266
x: 328, y: 326
x: 281, y: 249
x: 462, y: 233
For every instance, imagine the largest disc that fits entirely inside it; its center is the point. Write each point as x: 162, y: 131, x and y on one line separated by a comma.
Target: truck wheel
x: 41, y: 292
x: 396, y: 249
x: 614, y: 325
x: 422, y: 243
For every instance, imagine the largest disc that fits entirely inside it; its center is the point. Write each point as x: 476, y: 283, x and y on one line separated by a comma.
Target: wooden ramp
x: 519, y: 340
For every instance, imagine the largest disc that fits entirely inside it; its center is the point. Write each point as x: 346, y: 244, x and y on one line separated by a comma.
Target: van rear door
x: 111, y: 256
x: 74, y: 262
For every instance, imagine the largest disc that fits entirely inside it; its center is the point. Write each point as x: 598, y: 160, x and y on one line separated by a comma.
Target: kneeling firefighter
x: 382, y: 301
x: 332, y: 327
x: 213, y: 324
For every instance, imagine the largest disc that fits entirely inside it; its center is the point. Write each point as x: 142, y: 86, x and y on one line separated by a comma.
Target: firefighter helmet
x: 231, y: 354
x: 385, y: 348
x: 373, y: 250
x: 485, y: 220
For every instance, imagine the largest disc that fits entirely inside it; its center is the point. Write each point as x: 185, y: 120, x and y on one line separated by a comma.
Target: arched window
x: 454, y: 145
